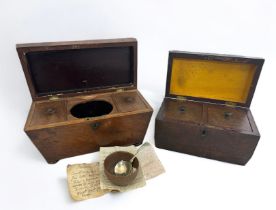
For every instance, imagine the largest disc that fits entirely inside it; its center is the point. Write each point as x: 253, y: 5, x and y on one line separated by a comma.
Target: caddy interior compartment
x: 91, y: 109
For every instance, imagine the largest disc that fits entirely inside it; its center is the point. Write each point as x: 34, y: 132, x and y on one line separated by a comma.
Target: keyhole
x: 203, y: 133
x: 182, y: 109
x: 227, y: 115
x: 96, y: 125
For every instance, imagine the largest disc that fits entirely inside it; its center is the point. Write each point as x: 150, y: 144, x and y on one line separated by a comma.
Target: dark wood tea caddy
x: 206, y: 108
x: 84, y: 96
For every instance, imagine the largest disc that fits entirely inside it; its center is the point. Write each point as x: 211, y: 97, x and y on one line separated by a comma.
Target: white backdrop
x: 233, y: 27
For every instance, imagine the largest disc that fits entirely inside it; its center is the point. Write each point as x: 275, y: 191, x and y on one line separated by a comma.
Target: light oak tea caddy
x: 84, y: 96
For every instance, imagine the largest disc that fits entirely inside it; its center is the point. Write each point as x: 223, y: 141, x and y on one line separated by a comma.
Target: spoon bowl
x: 124, y: 167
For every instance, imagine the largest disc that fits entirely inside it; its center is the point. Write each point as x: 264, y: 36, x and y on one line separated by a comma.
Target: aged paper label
x: 139, y: 181
x: 150, y: 163
x: 89, y: 180
x: 84, y: 181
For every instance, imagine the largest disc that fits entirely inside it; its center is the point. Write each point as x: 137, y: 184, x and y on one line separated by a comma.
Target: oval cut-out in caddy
x: 91, y: 109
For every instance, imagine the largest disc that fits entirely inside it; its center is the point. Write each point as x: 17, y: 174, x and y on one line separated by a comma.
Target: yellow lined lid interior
x: 207, y: 79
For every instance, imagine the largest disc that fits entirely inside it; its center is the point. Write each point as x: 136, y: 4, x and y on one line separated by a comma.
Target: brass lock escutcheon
x: 95, y: 125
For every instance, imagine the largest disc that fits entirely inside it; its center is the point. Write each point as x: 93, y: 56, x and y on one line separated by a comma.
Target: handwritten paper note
x: 89, y: 180
x: 84, y: 181
x: 150, y: 163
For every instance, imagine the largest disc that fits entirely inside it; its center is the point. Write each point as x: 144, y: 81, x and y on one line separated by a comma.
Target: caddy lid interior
x: 212, y: 78
x: 62, y: 68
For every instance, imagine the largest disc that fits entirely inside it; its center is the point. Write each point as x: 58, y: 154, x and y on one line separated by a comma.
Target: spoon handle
x: 140, y: 149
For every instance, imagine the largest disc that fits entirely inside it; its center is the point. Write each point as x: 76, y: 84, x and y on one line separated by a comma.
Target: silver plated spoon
x: 124, y: 167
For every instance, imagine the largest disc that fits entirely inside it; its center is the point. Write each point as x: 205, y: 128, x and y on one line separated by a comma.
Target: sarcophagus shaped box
x: 84, y: 96
x: 206, y: 109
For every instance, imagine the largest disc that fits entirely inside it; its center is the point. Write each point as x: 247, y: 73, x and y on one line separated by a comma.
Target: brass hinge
x: 120, y: 90
x: 230, y: 104
x: 53, y: 98
x: 181, y: 98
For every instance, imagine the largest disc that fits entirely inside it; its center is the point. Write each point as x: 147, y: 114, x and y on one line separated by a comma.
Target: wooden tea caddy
x: 206, y: 108
x: 84, y: 96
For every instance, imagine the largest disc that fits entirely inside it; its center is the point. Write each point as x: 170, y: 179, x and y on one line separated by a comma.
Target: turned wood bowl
x: 118, y: 179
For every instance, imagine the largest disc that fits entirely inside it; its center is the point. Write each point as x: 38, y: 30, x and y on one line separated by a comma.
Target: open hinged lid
x: 78, y: 67
x: 212, y: 78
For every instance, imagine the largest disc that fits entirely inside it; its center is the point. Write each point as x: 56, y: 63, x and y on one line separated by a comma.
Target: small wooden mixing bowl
x: 109, y: 165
